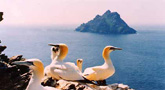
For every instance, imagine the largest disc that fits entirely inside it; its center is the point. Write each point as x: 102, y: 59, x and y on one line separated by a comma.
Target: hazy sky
x: 68, y: 12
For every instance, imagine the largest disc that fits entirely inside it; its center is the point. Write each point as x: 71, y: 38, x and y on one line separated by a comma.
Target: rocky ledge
x: 12, y: 77
x: 15, y: 77
x: 108, y: 23
x: 69, y: 85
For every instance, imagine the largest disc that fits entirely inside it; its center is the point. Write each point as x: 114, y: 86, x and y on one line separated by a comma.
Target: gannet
x: 79, y: 64
x: 37, y: 74
x: 64, y: 70
x: 100, y: 73
x: 54, y: 52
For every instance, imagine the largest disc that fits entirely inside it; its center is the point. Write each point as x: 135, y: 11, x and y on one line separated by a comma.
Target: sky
x: 75, y: 12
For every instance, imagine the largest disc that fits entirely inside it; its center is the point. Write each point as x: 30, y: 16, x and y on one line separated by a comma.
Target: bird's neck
x: 56, y: 59
x: 106, y: 57
x: 53, y: 56
x: 79, y: 66
x: 36, y: 79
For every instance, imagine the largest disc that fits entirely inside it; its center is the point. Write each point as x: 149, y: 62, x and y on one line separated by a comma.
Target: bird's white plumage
x: 99, y: 72
x: 53, y: 57
x: 66, y: 71
x: 63, y: 70
x: 104, y: 71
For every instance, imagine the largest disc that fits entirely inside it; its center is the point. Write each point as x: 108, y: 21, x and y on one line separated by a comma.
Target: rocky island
x: 108, y: 23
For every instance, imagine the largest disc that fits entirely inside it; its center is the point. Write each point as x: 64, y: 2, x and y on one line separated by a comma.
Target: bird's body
x: 65, y: 70
x: 37, y: 74
x: 59, y: 69
x: 54, y: 53
x: 100, y: 73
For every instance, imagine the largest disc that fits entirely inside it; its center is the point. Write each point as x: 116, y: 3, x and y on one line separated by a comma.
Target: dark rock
x: 108, y: 23
x: 3, y: 65
x: 4, y: 58
x: 1, y: 14
x: 16, y: 58
x: 13, y: 77
x: 71, y: 87
x: 49, y: 82
x: 2, y: 48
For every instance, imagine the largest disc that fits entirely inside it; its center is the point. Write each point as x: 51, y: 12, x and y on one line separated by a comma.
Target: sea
x: 141, y: 63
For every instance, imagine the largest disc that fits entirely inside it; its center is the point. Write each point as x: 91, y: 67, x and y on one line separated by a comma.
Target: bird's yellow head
x: 34, y: 64
x: 109, y: 49
x: 60, y: 50
x: 55, y: 51
x: 79, y: 61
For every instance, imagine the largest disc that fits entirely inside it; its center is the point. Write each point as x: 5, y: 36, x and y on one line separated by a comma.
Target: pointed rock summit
x: 108, y: 12
x: 108, y: 23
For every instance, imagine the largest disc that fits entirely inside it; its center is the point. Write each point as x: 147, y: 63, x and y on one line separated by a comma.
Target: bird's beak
x: 115, y: 48
x: 53, y: 45
x: 26, y: 63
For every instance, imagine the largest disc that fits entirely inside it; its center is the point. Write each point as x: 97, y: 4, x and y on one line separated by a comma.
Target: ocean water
x: 140, y: 64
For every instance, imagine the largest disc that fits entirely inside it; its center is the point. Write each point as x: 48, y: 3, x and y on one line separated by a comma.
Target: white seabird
x: 100, y: 73
x: 37, y: 74
x: 64, y: 70
x: 54, y: 53
x: 79, y: 64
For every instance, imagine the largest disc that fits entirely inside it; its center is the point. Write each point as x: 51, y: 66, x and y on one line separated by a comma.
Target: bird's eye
x: 54, y: 49
x: 57, y: 49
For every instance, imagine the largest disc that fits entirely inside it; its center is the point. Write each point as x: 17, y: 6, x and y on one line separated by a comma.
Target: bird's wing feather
x: 96, y: 69
x: 92, y: 70
x: 60, y: 67
x: 88, y: 71
x: 67, y: 71
x: 72, y: 65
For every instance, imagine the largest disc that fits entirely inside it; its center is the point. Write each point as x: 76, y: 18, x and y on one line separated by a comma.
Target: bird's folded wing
x: 69, y: 64
x: 96, y: 69
x: 60, y: 67
x: 88, y: 71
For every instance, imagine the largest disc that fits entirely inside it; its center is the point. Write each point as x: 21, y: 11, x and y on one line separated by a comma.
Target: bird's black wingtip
x: 87, y: 81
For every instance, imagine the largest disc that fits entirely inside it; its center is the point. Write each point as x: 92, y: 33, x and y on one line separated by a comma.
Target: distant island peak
x: 108, y: 23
